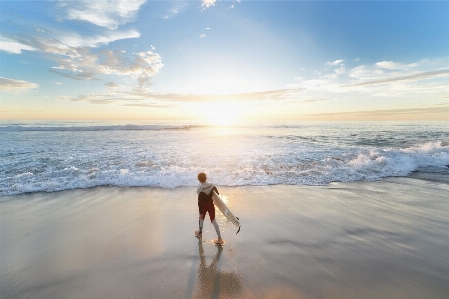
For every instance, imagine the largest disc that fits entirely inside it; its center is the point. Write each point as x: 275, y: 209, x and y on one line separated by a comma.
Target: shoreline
x: 385, y: 238
x: 435, y: 177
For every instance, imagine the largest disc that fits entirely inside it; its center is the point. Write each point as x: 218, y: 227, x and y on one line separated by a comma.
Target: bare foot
x: 219, y: 241
x: 198, y: 235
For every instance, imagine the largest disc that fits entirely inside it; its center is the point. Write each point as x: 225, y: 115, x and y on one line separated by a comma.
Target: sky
x: 224, y: 62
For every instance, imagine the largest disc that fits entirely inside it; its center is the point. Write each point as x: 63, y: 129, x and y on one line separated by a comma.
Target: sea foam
x: 94, y: 128
x: 170, y: 157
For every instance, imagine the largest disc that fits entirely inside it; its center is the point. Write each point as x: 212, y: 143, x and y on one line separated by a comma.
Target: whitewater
x: 60, y: 156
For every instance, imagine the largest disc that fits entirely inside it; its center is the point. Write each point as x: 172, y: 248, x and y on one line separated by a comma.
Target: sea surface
x: 54, y: 156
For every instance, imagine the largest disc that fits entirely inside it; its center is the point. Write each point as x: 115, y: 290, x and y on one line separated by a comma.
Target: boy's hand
x: 201, y: 216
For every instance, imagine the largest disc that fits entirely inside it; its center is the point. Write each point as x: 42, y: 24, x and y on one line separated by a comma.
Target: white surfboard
x: 219, y: 203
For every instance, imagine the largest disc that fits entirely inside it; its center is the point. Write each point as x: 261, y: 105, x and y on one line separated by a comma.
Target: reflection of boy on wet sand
x: 206, y: 205
x: 213, y: 283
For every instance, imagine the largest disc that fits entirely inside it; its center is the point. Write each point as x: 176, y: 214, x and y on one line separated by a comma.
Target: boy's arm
x: 216, y: 190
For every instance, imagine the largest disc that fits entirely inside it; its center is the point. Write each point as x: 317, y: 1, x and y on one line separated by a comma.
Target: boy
x: 205, y: 205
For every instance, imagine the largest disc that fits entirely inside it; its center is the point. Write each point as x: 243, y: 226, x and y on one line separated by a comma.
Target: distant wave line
x: 100, y: 128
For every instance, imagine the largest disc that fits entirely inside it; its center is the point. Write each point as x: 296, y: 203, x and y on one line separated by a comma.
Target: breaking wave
x: 12, y: 128
x: 63, y: 166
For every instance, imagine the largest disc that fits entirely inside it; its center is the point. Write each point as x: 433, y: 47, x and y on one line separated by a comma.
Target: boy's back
x: 207, y: 188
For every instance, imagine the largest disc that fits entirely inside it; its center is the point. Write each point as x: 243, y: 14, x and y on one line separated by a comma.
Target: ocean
x: 54, y: 156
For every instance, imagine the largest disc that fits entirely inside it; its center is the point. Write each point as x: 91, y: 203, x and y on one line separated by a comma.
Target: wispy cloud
x: 112, y: 84
x: 150, y: 105
x: 177, y: 8
x: 104, y: 13
x: 85, y: 76
x: 438, y: 105
x: 336, y: 62
x: 322, y: 83
x: 436, y: 113
x: 313, y: 100
x: 408, y: 78
x: 340, y: 71
x: 395, y: 66
x: 387, y: 79
x: 12, y: 46
x: 145, y: 97
x: 7, y: 84
x: 59, y: 40
x: 75, y: 40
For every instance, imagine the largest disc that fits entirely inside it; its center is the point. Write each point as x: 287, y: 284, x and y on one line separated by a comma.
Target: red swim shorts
x: 208, y: 206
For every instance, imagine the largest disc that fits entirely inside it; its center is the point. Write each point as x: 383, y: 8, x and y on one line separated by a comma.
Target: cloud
x: 75, y: 40
x: 424, y: 79
x: 282, y: 94
x: 208, y: 3
x: 103, y: 13
x: 91, y: 38
x: 436, y: 113
x: 321, y: 84
x: 144, y: 97
x: 336, y: 62
x: 313, y: 100
x: 75, y: 60
x: 395, y: 66
x: 408, y: 78
x: 81, y: 64
x: 438, y: 105
x: 12, y: 46
x: 86, y: 76
x: 177, y: 8
x: 112, y: 84
x: 340, y: 71
x: 60, y: 40
x: 150, y: 105
x: 76, y: 56
x: 7, y: 84
x: 202, y: 35
x: 363, y: 72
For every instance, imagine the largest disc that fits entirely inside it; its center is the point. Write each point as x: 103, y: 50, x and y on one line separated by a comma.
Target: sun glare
x: 225, y: 113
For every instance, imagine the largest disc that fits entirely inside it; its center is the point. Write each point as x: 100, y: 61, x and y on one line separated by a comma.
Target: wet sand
x: 386, y: 239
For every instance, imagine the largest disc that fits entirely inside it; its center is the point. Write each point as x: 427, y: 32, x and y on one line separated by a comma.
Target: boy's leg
x: 211, y: 210
x: 217, y: 229
x: 201, y: 222
x: 199, y: 232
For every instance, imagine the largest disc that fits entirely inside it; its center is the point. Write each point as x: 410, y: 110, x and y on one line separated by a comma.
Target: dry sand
x: 386, y: 239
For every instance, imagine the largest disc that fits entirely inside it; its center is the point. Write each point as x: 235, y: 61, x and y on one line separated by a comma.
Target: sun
x: 225, y: 113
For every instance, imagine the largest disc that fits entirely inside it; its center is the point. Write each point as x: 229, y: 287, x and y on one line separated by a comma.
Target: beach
x: 323, y: 124
x: 382, y: 239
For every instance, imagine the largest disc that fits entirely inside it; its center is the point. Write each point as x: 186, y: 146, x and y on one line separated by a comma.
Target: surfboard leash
x: 239, y: 226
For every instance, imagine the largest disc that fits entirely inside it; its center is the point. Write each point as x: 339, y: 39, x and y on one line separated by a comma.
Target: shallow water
x: 59, y: 156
